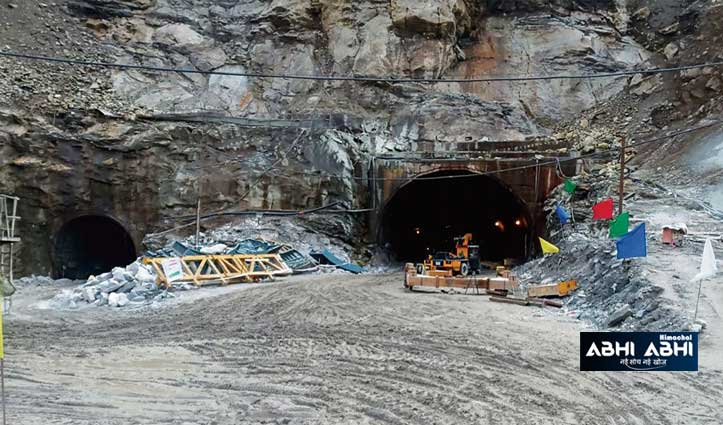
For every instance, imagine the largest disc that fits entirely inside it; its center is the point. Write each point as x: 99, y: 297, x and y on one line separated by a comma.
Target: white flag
x: 708, y: 266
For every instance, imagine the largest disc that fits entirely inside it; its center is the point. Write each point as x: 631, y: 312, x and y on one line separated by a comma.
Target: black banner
x: 639, y: 351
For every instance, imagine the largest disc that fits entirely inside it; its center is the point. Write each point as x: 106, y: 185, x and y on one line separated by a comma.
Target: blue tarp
x: 326, y: 257
x: 253, y: 246
x: 293, y: 258
x: 178, y: 249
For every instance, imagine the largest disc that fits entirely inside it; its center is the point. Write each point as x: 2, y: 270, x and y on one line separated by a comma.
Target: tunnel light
x: 500, y: 225
x: 417, y: 231
x: 518, y: 222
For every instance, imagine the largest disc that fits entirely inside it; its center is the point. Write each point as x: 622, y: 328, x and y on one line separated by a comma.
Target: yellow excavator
x: 465, y: 260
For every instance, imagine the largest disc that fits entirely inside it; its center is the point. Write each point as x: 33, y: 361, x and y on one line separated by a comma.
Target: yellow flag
x: 548, y: 248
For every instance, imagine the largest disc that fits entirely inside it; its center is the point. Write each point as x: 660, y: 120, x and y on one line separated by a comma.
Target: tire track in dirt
x: 339, y: 349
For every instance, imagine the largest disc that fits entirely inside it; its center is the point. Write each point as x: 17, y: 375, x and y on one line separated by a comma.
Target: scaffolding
x: 223, y: 269
x: 8, y: 218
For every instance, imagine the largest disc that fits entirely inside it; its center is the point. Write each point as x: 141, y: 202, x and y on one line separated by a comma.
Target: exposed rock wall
x: 140, y: 145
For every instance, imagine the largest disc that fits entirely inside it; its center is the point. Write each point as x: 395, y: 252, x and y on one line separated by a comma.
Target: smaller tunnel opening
x: 90, y: 245
x: 424, y: 216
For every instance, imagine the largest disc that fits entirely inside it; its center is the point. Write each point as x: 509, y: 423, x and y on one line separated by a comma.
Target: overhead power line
x: 383, y: 79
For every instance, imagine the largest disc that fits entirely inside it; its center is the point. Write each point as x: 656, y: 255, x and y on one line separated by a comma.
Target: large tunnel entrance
x: 424, y: 216
x: 90, y: 245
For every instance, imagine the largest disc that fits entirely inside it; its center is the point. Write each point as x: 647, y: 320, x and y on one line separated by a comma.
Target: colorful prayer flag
x: 619, y: 226
x: 633, y: 244
x: 603, y: 210
x: 548, y: 248
x: 569, y: 186
x: 562, y: 214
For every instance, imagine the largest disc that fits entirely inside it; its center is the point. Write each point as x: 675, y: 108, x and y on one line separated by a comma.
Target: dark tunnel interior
x: 90, y: 245
x: 424, y: 216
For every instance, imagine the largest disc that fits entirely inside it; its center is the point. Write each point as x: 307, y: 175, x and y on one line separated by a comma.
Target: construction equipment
x: 413, y: 279
x: 465, y: 260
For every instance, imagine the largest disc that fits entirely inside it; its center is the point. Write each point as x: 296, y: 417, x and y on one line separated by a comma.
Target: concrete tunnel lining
x: 423, y: 217
x: 90, y: 245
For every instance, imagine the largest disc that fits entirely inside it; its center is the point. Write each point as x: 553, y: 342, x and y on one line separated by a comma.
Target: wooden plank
x: 508, y: 300
x: 470, y: 282
x: 160, y: 277
x: 560, y: 289
x: 221, y: 275
x: 189, y: 273
x: 552, y: 303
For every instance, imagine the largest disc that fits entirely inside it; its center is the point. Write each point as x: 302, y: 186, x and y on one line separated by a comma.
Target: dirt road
x: 327, y: 349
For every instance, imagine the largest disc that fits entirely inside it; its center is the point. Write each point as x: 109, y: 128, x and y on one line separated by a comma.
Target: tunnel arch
x: 423, y: 216
x: 89, y: 245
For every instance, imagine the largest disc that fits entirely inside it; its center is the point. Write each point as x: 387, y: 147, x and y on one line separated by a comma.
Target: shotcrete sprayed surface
x: 326, y: 350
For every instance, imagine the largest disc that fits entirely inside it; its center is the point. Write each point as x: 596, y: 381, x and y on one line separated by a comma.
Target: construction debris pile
x: 611, y: 292
x: 137, y: 284
x: 134, y: 284
x: 303, y: 235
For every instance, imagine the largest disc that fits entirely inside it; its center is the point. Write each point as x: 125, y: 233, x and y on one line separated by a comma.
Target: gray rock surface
x: 139, y: 146
x: 134, y: 283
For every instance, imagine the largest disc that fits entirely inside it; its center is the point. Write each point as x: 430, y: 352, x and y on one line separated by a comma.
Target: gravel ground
x: 326, y: 350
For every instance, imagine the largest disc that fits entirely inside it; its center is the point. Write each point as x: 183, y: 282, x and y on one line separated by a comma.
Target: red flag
x: 603, y: 210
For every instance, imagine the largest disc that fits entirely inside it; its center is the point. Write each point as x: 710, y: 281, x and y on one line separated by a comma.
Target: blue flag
x: 633, y: 244
x: 562, y: 215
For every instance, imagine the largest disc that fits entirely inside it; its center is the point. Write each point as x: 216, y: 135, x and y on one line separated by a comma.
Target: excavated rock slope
x: 142, y: 146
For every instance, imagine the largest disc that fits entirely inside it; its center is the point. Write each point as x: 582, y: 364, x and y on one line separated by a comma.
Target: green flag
x: 569, y: 186
x: 619, y: 226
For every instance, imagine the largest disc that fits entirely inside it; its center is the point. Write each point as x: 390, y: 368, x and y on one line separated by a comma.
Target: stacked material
x: 134, y: 284
x: 296, y: 261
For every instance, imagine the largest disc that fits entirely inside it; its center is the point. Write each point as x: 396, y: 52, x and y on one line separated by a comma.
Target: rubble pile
x: 134, y: 284
x: 294, y: 232
x: 611, y: 292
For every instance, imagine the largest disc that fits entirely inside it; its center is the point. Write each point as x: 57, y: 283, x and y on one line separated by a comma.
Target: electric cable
x: 555, y: 161
x: 379, y: 79
x: 327, y: 208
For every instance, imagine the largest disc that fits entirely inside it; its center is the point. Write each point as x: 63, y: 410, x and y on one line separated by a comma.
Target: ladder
x: 8, y: 218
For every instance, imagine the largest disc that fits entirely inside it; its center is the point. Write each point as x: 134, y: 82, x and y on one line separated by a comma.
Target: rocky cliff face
x: 142, y: 146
